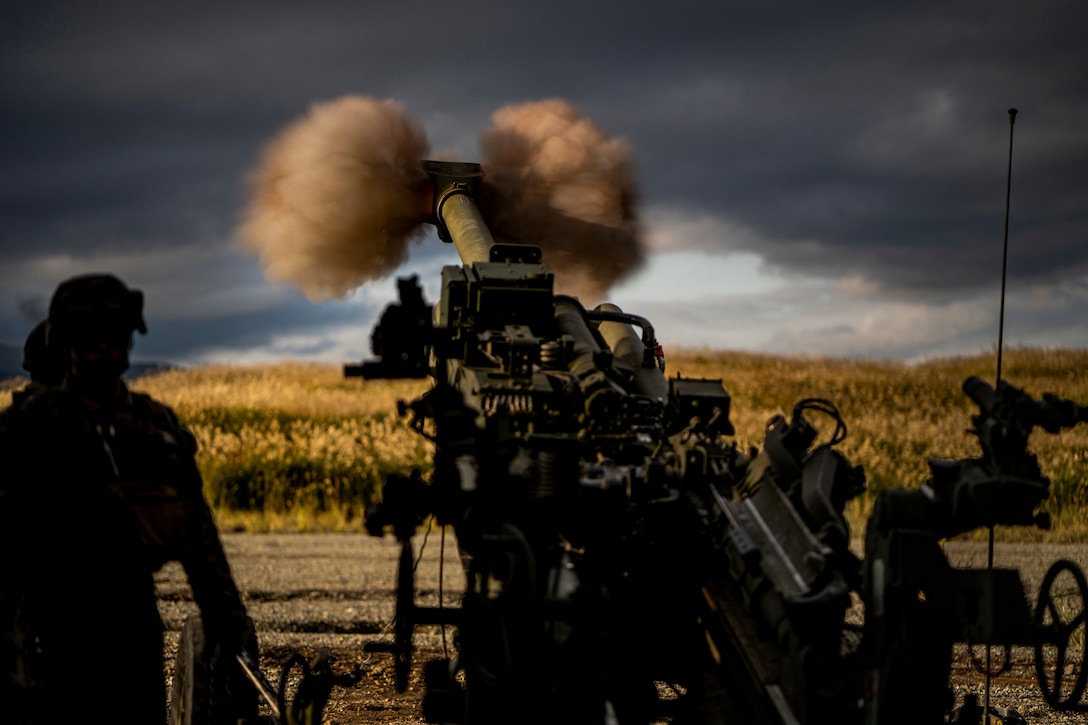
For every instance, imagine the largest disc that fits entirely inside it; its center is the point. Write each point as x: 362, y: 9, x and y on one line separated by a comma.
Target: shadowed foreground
x: 308, y: 591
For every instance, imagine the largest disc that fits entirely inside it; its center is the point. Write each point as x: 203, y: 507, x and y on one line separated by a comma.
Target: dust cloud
x: 338, y: 197
x: 553, y: 179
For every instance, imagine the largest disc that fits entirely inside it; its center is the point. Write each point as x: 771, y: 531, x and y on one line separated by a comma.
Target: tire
x: 206, y: 691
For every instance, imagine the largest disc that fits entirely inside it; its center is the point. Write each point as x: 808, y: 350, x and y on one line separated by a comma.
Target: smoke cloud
x: 553, y: 179
x: 338, y: 197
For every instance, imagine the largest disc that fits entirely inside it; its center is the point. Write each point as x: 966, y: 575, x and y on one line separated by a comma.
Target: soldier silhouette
x: 100, y: 490
x: 45, y: 365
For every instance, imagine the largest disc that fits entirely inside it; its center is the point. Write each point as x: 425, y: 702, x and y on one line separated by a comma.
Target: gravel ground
x: 312, y: 591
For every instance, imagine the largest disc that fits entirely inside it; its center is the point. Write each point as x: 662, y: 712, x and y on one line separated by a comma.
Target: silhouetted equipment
x: 917, y: 606
x: 205, y: 685
x: 625, y: 562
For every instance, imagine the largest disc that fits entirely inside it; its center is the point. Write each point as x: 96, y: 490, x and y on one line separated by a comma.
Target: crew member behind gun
x: 46, y: 366
x: 99, y: 489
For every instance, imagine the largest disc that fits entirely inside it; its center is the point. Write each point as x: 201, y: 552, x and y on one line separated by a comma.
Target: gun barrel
x: 466, y: 227
x: 455, y: 213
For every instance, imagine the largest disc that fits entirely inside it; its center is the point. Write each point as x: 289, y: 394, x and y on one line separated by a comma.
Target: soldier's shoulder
x: 34, y: 418
x: 12, y: 415
x: 154, y: 410
x: 150, y: 406
x: 39, y: 403
x: 162, y: 416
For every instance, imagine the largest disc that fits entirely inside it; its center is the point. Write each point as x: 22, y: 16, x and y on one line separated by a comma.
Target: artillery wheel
x: 207, y: 691
x: 1059, y: 620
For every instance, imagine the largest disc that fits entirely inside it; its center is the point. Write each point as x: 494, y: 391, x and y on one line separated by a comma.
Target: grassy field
x: 298, y: 447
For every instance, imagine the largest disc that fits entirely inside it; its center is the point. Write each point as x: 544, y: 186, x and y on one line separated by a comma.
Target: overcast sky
x: 809, y: 179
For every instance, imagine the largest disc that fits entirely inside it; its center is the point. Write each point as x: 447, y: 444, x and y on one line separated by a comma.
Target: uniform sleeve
x: 203, y: 559
x: 210, y: 577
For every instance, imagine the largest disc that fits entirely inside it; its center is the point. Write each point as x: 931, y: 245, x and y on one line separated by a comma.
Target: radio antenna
x: 1000, y: 334
x: 1005, y: 246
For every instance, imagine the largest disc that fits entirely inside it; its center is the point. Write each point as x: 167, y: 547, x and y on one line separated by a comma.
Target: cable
x: 423, y: 544
x: 828, y: 408
x: 441, y: 581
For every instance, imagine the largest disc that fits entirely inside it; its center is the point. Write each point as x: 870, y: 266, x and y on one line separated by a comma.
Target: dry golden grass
x: 299, y: 389
x: 296, y: 446
x: 292, y: 446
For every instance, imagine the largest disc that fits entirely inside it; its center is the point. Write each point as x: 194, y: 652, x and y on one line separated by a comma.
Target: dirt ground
x: 307, y: 592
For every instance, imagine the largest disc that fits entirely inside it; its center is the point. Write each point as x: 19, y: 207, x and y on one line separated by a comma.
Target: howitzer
x: 561, y: 455
x: 616, y: 544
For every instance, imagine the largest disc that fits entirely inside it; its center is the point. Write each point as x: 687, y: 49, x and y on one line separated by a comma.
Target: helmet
x: 90, y: 303
x: 44, y: 363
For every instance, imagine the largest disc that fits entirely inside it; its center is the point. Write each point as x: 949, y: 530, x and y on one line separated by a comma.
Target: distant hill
x: 138, y: 368
x: 11, y: 364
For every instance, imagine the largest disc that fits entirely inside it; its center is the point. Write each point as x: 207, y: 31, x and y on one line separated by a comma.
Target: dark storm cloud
x: 200, y: 304
x: 128, y: 125
x: 193, y: 338
x: 862, y: 140
x: 885, y: 143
